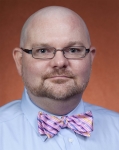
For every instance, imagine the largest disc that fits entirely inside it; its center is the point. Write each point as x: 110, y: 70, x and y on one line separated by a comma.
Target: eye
x: 74, y: 50
x: 42, y: 50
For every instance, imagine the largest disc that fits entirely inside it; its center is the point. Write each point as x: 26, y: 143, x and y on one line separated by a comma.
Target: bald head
x: 54, y: 17
x: 60, y: 32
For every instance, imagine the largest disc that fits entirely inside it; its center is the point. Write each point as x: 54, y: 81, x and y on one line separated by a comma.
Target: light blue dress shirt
x: 19, y: 131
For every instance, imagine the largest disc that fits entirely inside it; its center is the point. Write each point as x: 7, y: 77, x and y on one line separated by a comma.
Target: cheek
x: 82, y: 69
x: 33, y: 70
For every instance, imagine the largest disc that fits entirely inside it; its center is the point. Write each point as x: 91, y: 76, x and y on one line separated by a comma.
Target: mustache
x: 58, y: 72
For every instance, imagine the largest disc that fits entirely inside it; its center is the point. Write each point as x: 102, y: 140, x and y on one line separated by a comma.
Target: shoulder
x: 100, y: 111
x: 10, y: 110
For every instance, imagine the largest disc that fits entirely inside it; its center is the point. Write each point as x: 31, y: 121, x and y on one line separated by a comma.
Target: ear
x: 93, y: 52
x: 17, y: 55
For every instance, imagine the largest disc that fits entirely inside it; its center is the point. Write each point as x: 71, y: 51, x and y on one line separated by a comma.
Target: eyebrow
x: 71, y: 43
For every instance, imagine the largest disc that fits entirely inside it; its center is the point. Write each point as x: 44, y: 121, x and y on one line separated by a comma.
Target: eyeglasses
x: 74, y: 52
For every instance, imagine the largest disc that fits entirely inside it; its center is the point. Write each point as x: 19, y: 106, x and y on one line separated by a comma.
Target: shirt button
x: 70, y: 140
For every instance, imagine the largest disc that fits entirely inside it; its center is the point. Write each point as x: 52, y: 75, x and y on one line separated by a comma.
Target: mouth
x: 59, y: 74
x: 59, y: 77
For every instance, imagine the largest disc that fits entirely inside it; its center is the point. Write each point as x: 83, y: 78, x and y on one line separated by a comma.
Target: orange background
x: 102, y: 19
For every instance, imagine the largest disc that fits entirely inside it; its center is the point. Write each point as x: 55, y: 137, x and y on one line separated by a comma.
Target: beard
x: 57, y: 89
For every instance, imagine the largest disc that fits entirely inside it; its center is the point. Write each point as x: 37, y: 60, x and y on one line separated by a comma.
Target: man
x: 54, y: 59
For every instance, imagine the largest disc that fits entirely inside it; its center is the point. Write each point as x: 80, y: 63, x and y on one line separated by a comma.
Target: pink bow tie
x: 51, y: 125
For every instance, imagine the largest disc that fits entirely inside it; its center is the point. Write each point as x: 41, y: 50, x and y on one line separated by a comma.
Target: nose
x: 59, y: 61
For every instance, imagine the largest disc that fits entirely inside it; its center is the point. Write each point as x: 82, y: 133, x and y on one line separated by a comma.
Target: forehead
x: 55, y: 30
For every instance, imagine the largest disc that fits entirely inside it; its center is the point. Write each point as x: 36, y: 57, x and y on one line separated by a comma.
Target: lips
x: 58, y: 74
x: 58, y: 79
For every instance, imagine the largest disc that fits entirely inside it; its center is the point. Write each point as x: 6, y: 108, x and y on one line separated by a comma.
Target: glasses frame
x: 30, y: 52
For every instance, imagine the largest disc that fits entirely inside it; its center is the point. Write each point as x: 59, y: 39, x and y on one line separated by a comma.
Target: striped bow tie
x: 51, y: 125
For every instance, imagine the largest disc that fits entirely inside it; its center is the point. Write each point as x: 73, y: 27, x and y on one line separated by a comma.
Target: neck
x: 56, y: 107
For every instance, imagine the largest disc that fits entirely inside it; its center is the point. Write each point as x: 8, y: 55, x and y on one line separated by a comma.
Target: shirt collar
x: 30, y: 111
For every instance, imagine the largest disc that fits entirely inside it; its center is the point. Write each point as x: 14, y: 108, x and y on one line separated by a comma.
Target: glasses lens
x: 75, y: 52
x: 43, y: 53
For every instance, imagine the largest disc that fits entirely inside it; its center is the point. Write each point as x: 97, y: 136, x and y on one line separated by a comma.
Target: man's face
x: 58, y: 78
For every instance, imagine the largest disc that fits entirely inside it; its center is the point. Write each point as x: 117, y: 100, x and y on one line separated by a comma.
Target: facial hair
x: 58, y: 89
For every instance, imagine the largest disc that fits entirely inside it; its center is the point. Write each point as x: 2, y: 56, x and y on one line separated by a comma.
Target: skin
x: 55, y: 85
